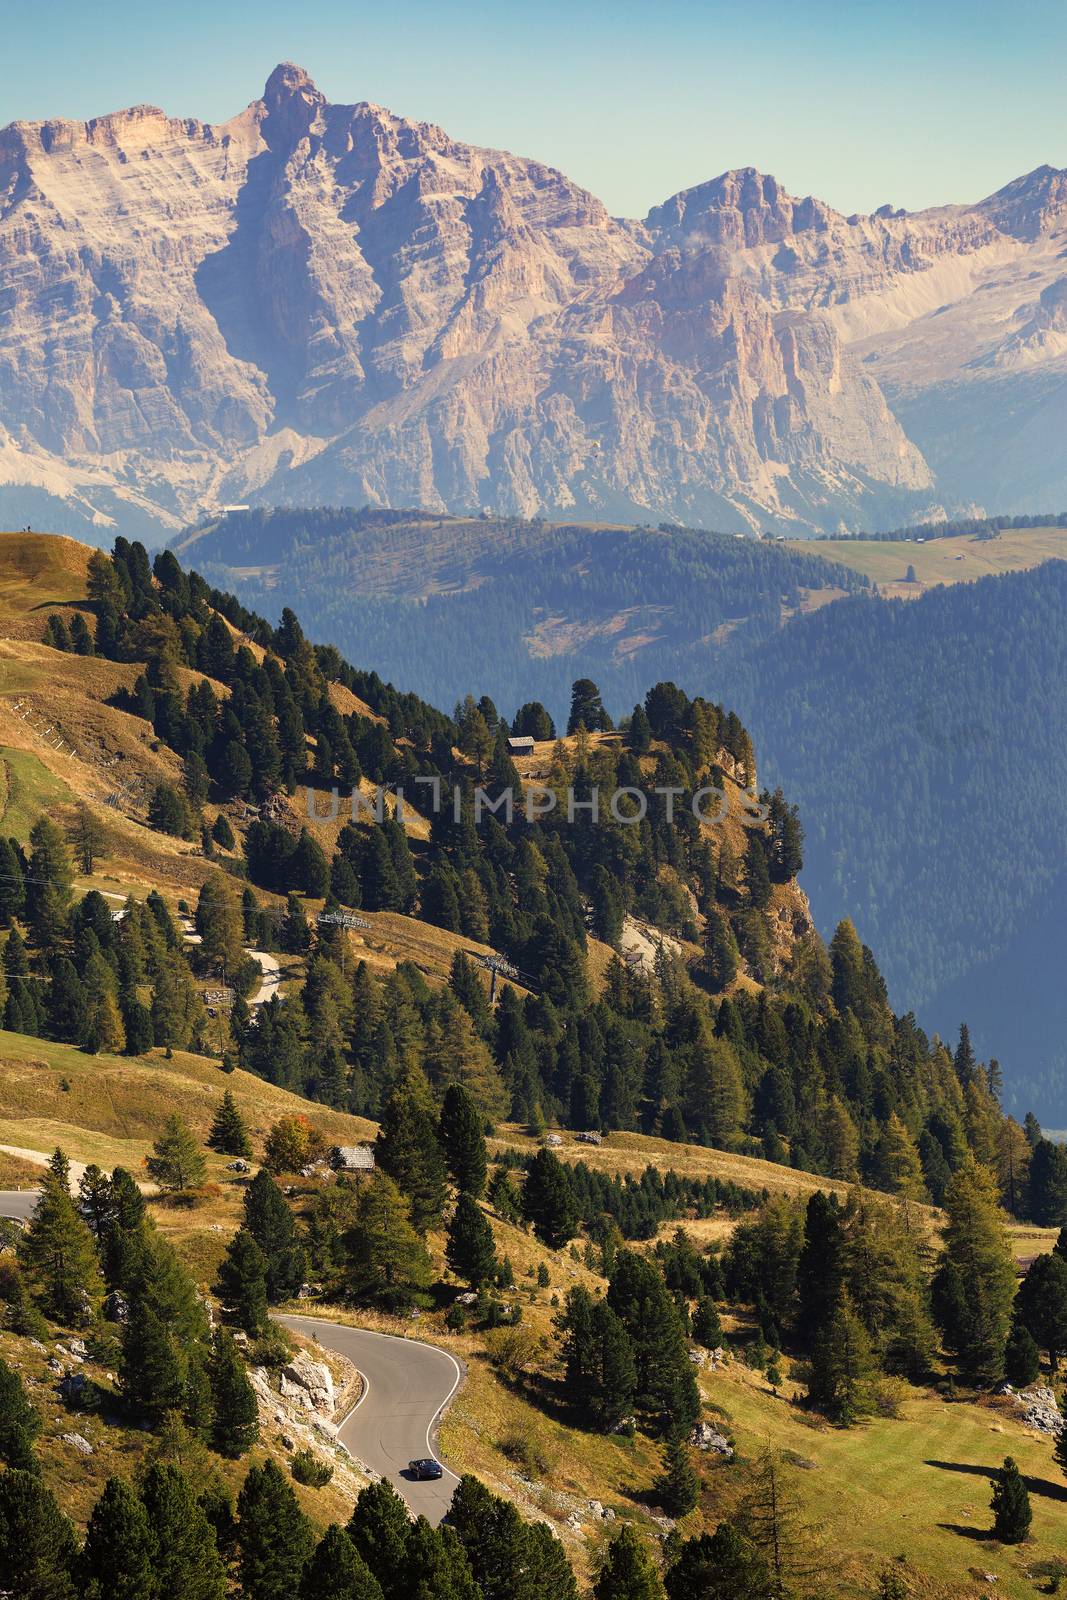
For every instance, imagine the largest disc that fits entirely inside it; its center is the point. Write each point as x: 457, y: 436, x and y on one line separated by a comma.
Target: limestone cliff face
x: 330, y: 303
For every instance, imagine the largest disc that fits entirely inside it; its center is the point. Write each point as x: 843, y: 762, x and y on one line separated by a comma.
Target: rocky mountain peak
x: 1031, y: 205
x: 741, y: 207
x: 288, y: 80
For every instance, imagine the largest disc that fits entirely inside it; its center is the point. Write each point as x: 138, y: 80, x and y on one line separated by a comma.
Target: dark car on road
x: 427, y: 1467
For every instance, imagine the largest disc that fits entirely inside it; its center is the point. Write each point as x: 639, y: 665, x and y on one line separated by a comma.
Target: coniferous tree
x: 56, y: 1253
x: 471, y: 1249
x: 677, y: 1488
x: 436, y: 1565
x: 975, y: 1282
x: 1041, y: 1304
x: 408, y: 1149
x: 1047, y: 1185
x: 273, y: 1227
x: 842, y: 1366
x: 274, y: 1538
x: 548, y: 1202
x: 599, y: 1356
x: 387, y: 1260
x: 38, y: 1550
x: 116, y: 1560
x: 228, y: 1135
x: 337, y: 1571
x: 463, y: 1140
x: 177, y: 1161
x: 185, y: 1551
x: 378, y: 1528
x: 241, y: 1284
x: 628, y: 1571
x: 1022, y: 1359
x: 509, y: 1559
x: 666, y: 1389
x: 20, y: 1422
x: 723, y: 1565
x: 235, y: 1423
x: 1010, y: 1505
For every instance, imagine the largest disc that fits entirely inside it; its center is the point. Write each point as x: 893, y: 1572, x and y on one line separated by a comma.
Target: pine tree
x: 186, y: 1555
x: 387, y: 1260
x: 628, y: 1572
x: 548, y: 1201
x: 707, y: 1328
x: 56, y: 1252
x: 463, y: 1140
x: 677, y: 1488
x: 378, y: 1528
x: 723, y: 1565
x: 177, y: 1161
x: 274, y: 1538
x: 470, y: 1250
x: 38, y: 1550
x: 1022, y: 1360
x: 20, y: 1422
x: 235, y: 1427
x: 1041, y: 1304
x: 337, y: 1571
x: 1010, y: 1505
x: 599, y: 1356
x: 241, y: 1284
x: 228, y: 1135
x: 666, y: 1390
x: 509, y: 1558
x: 273, y: 1227
x: 116, y: 1561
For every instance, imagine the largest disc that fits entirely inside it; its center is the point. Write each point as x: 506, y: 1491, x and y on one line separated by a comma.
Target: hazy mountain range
x: 314, y: 303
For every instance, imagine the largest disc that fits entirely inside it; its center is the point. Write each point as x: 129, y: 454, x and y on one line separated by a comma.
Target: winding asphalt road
x: 407, y: 1385
x: 18, y: 1203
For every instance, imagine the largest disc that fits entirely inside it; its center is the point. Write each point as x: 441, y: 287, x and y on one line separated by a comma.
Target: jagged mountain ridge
x: 317, y: 303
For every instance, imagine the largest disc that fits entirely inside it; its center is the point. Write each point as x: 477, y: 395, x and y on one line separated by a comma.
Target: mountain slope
x: 321, y: 303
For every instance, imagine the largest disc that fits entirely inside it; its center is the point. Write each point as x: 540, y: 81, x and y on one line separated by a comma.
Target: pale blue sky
x: 916, y: 104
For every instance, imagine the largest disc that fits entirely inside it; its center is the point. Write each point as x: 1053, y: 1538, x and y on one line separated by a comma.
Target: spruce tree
x: 176, y: 1162
x: 38, y: 1550
x: 628, y: 1571
x: 274, y: 1538
x: 116, y: 1559
x: 677, y: 1488
x: 1010, y: 1505
x: 337, y: 1571
x: 599, y: 1356
x: 273, y: 1227
x: 510, y: 1559
x: 241, y: 1284
x: 463, y: 1140
x: 20, y: 1422
x: 548, y: 1201
x: 378, y: 1528
x: 56, y: 1253
x: 235, y: 1423
x: 470, y: 1250
x: 228, y: 1135
x: 186, y: 1555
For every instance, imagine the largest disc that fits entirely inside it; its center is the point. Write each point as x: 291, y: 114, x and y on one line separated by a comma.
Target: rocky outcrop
x: 329, y: 303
